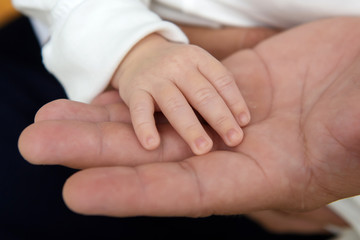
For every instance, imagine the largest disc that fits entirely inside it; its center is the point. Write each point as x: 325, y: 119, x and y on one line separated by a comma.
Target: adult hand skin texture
x: 300, y: 151
x: 223, y: 42
x: 318, y: 221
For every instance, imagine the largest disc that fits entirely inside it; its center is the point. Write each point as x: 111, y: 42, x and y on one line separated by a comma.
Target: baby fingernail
x: 202, y: 144
x: 150, y: 142
x: 244, y: 119
x: 233, y: 136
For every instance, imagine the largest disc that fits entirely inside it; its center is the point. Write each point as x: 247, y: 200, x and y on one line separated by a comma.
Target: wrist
x: 140, y: 51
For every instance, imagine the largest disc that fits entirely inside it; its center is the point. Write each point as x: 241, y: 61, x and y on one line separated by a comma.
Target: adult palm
x: 300, y: 151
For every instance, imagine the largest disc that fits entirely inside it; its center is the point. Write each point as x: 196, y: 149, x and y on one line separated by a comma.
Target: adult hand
x: 300, y: 151
x: 223, y: 42
x: 319, y: 221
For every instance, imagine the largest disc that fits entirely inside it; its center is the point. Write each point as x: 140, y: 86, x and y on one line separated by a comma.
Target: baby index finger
x: 224, y: 83
x: 206, y: 100
x: 181, y: 116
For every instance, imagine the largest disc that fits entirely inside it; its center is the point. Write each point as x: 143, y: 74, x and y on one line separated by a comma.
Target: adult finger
x: 80, y: 144
x: 233, y: 39
x: 63, y: 109
x: 323, y: 216
x: 215, y: 183
x: 278, y: 222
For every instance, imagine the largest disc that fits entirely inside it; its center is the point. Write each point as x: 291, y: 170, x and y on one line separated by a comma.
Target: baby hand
x: 173, y: 78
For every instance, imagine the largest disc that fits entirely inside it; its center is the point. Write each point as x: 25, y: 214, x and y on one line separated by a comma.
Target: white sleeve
x: 349, y: 209
x: 89, y: 38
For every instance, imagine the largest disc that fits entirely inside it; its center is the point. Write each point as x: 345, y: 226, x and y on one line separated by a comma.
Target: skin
x: 300, y: 151
x: 318, y: 221
x: 233, y: 40
x: 158, y: 75
x: 223, y: 42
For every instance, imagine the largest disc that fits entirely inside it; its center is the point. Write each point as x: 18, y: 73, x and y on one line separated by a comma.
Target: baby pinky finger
x: 142, y: 110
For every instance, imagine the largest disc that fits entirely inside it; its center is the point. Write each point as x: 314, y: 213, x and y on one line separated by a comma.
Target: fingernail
x: 150, y: 142
x: 202, y: 144
x: 234, y: 137
x: 244, y: 119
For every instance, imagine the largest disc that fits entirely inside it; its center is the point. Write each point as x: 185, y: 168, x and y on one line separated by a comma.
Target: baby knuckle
x: 221, y: 121
x: 142, y: 125
x: 224, y: 81
x: 191, y: 127
x: 139, y: 108
x: 191, y: 51
x: 174, y: 105
x: 203, y: 96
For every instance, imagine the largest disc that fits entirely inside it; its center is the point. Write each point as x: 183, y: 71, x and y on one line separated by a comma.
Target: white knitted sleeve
x: 89, y: 38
